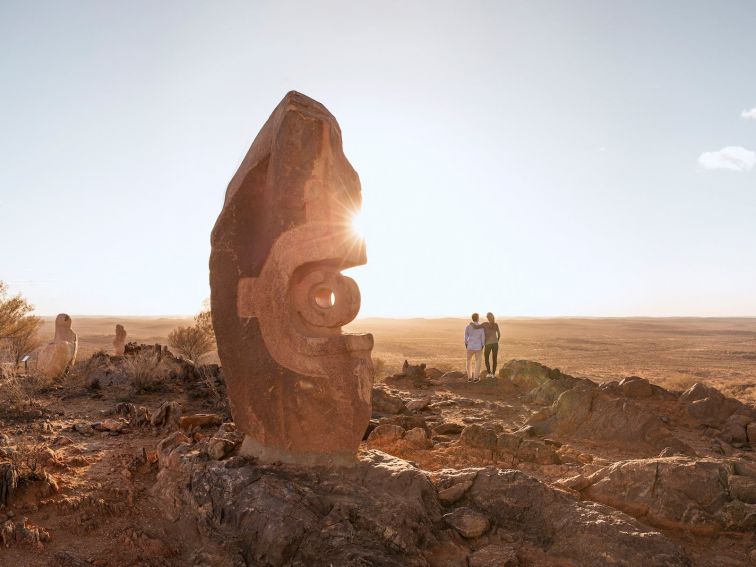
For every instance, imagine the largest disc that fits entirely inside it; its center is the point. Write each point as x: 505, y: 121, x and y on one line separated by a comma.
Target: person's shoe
x: 476, y: 379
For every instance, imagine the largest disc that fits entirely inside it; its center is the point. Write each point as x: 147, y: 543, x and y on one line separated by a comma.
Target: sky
x: 540, y: 158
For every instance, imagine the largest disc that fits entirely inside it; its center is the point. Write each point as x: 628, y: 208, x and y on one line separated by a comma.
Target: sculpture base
x: 264, y: 454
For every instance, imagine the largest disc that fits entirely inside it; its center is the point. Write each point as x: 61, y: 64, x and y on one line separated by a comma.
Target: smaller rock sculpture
x: 58, y: 356
x: 119, y: 343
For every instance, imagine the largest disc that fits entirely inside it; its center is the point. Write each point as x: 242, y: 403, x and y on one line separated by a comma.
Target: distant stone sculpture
x: 119, y: 343
x: 58, y: 356
x: 299, y: 389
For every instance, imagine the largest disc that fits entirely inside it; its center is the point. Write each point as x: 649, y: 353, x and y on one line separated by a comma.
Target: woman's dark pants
x: 492, y: 348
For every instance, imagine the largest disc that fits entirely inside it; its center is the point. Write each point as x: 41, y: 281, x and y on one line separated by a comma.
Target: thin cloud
x: 749, y: 113
x: 732, y: 158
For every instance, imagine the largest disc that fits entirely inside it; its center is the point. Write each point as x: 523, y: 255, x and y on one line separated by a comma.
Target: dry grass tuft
x: 148, y: 372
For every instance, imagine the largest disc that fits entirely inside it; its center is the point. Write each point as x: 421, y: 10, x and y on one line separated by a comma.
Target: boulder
x: 587, y: 412
x: 418, y: 405
x: 707, y: 404
x: 386, y: 434
x: 742, y: 488
x: 413, y: 370
x: 469, y: 523
x: 635, y: 387
x: 448, y: 428
x: 453, y: 493
x: 751, y: 432
x: 508, y: 442
x: 478, y: 437
x: 189, y: 422
x: 417, y: 438
x: 167, y: 415
x: 382, y: 511
x: 586, y: 533
x: 533, y: 451
x: 674, y: 493
x: 384, y: 401
x: 495, y: 555
x: 218, y: 448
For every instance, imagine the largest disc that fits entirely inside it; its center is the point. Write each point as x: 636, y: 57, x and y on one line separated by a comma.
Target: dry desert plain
x: 673, y: 352
x: 532, y: 469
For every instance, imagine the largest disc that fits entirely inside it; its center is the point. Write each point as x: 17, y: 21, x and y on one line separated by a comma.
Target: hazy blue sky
x: 529, y: 158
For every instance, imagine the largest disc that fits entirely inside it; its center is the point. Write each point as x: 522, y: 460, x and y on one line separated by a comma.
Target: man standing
x: 492, y: 343
x: 475, y: 339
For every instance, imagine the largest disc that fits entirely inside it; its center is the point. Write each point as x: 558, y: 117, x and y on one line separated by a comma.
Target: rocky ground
x: 136, y: 464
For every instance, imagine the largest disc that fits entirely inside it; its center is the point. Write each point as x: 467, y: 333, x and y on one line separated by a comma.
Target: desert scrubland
x: 674, y: 352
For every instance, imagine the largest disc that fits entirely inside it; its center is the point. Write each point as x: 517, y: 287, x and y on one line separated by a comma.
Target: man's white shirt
x: 475, y: 339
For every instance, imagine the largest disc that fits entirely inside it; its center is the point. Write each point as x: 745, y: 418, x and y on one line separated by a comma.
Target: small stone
x: 469, y: 523
x: 386, y: 402
x: 531, y: 451
x: 479, y: 437
x: 751, y: 432
x: 417, y: 438
x: 386, y: 434
x: 743, y: 488
x: 187, y: 422
x: 508, y: 442
x: 635, y: 387
x: 218, y: 448
x: 495, y: 556
x: 114, y: 425
x: 83, y: 428
x: 418, y: 405
x: 454, y: 492
x: 449, y: 428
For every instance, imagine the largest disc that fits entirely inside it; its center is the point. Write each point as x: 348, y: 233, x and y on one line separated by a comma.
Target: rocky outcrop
x: 707, y: 404
x: 382, y: 511
x: 702, y: 496
x: 542, y: 384
x: 589, y: 412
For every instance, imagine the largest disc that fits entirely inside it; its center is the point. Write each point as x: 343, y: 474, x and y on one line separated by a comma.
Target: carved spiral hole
x: 325, y: 298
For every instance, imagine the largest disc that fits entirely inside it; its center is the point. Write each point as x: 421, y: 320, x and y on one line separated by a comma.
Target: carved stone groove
x: 299, y: 388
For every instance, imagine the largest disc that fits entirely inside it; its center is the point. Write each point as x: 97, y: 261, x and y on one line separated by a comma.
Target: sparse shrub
x: 147, y: 372
x: 17, y: 391
x: 29, y: 459
x: 191, y: 342
x: 13, y: 311
x: 25, y: 338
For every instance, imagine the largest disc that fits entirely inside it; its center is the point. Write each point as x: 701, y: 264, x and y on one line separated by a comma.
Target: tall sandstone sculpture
x: 299, y: 388
x: 58, y: 356
x: 119, y: 343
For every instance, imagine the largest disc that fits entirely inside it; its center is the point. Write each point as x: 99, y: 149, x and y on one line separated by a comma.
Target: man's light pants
x: 473, y: 359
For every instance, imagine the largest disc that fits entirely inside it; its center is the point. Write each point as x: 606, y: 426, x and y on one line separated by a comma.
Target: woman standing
x: 491, y: 328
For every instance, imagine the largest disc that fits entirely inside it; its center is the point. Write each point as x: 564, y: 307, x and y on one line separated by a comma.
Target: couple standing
x: 480, y: 337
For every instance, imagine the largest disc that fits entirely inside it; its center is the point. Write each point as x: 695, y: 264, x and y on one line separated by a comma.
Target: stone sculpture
x: 58, y: 356
x: 299, y: 389
x: 119, y: 343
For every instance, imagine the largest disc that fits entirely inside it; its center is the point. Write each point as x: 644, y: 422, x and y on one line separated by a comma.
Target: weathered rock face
x: 58, y: 356
x: 702, y: 496
x: 119, y: 343
x: 544, y: 384
x: 589, y: 412
x: 382, y: 511
x: 298, y: 388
